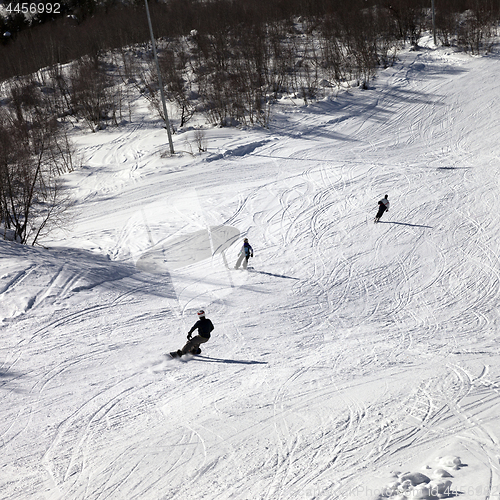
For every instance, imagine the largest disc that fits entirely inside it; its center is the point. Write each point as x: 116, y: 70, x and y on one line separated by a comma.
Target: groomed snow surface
x: 355, y: 361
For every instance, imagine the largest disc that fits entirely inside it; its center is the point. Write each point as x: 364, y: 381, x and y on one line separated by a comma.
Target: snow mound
x: 415, y: 485
x: 239, y: 151
x: 450, y: 461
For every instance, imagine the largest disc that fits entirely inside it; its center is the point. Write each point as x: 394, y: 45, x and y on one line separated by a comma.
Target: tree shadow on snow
x: 228, y: 361
x: 7, y: 379
x: 402, y: 224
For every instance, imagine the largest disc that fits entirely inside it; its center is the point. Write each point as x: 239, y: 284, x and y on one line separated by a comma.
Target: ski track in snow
x: 352, y: 350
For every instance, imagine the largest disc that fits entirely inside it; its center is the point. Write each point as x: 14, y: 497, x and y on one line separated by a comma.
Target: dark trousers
x: 194, y: 343
x: 380, y: 212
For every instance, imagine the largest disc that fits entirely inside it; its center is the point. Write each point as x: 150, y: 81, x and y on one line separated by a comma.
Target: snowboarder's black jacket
x: 204, y: 326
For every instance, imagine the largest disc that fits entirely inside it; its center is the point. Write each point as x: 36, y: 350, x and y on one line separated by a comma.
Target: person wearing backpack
x: 245, y: 253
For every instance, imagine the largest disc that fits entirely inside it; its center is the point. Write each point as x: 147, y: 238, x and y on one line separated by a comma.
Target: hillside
x: 352, y: 353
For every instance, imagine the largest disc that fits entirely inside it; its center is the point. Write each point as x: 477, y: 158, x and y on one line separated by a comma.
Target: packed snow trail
x: 351, y: 352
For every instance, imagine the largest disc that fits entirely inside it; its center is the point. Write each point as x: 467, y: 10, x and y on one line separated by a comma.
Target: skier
x: 204, y: 327
x: 383, y: 206
x: 245, y: 253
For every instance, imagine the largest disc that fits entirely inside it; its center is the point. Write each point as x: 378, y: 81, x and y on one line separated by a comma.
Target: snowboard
x: 175, y: 354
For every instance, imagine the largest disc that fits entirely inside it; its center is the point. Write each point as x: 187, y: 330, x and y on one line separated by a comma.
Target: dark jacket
x: 247, y: 249
x: 204, y: 326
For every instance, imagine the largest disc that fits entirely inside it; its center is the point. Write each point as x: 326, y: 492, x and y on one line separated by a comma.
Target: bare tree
x: 175, y: 75
x: 92, y: 93
x: 33, y: 154
x: 477, y: 26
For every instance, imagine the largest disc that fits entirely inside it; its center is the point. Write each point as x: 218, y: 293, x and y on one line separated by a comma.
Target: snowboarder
x: 204, y: 327
x: 383, y: 206
x: 245, y: 253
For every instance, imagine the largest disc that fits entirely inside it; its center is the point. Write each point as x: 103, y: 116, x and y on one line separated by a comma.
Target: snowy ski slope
x: 351, y: 354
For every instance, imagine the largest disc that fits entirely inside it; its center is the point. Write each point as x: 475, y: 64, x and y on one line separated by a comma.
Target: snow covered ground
x: 355, y: 361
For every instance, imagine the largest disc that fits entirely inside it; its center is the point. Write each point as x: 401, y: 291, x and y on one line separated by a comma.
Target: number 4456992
x: 33, y: 8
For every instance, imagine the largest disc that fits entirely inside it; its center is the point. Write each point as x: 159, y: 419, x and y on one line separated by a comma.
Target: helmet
x: 246, y: 240
x: 201, y: 313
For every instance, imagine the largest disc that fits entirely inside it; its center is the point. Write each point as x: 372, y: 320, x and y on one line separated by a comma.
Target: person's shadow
x: 207, y: 359
x: 401, y: 223
x: 251, y: 269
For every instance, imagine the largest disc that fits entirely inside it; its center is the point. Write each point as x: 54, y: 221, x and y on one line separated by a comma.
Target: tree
x: 92, y: 94
x: 34, y: 152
